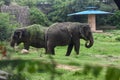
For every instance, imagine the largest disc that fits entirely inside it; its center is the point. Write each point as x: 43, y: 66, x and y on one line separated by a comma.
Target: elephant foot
x: 53, y: 54
x: 77, y: 53
x: 50, y: 53
x: 45, y: 53
x: 67, y: 55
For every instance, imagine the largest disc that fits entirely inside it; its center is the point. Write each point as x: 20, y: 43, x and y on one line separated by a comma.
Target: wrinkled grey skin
x: 23, y: 36
x: 68, y: 33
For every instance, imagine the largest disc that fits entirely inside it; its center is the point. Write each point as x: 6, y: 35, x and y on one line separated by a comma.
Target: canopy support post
x: 92, y: 23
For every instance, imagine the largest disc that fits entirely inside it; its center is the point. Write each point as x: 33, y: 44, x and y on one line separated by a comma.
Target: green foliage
x: 95, y: 70
x: 117, y: 38
x: 114, y: 19
x: 7, y: 2
x: 19, y: 76
x: 113, y: 73
x: 87, y: 69
x: 5, y: 26
x: 61, y: 8
x: 30, y: 3
x: 37, y: 17
x: 18, y: 68
x: 1, y: 3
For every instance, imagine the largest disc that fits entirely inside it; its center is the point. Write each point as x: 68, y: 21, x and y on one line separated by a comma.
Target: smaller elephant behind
x: 33, y: 35
x: 68, y: 33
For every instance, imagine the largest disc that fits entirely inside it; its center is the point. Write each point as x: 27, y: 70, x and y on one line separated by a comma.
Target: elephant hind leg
x: 69, y: 49
x: 26, y: 46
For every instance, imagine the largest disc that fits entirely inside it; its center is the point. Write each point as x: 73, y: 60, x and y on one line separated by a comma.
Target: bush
x: 117, y: 38
x: 5, y: 26
x: 115, y: 19
x: 7, y: 2
x: 37, y: 17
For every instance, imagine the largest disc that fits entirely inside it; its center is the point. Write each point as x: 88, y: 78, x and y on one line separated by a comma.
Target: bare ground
x: 68, y: 67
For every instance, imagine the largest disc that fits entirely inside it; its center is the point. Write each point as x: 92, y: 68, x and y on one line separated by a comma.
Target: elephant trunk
x: 89, y: 43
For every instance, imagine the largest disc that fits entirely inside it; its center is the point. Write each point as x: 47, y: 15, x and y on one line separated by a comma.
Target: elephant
x: 117, y: 2
x: 33, y: 35
x: 68, y: 33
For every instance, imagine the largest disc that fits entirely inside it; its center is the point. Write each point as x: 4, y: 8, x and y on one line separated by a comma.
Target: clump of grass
x: 110, y: 75
x: 117, y: 38
x: 107, y: 37
x: 74, y: 63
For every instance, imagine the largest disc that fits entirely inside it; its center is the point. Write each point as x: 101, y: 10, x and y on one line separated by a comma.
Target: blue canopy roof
x: 90, y: 11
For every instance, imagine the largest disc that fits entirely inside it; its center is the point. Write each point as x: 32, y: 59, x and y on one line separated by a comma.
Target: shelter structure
x: 91, y: 12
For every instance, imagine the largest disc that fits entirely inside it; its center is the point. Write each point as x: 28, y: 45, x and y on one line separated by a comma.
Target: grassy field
x: 102, y: 59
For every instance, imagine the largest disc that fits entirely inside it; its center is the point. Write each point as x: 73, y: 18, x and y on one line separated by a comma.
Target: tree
x: 7, y: 2
x: 115, y: 19
x: 37, y: 17
x: 5, y: 26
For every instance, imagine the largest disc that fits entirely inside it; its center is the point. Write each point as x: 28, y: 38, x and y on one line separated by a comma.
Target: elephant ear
x: 18, y: 34
x: 86, y: 31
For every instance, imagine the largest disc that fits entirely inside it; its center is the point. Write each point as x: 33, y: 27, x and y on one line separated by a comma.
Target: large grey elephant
x: 68, y: 33
x: 33, y: 35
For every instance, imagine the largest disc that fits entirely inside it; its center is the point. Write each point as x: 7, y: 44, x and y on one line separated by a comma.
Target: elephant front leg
x: 69, y: 49
x: 26, y: 46
x: 50, y: 48
x: 45, y: 50
x: 77, y: 46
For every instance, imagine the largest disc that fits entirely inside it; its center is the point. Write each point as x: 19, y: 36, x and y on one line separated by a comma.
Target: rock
x: 3, y: 78
x: 24, y: 51
x: 3, y: 75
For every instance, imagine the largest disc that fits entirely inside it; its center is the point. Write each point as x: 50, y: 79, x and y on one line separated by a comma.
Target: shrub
x: 5, y: 26
x: 37, y: 17
x: 117, y: 38
x: 115, y: 19
x: 7, y: 2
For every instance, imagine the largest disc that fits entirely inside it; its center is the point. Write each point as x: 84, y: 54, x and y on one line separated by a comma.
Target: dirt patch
x: 68, y: 67
x: 108, y: 57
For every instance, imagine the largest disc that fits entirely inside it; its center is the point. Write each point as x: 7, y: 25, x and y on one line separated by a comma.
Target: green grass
x: 104, y: 53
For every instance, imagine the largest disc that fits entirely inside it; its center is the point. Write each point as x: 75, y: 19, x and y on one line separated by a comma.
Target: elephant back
x: 36, y: 32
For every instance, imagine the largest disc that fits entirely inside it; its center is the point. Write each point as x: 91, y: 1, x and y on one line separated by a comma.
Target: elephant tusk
x: 87, y: 43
